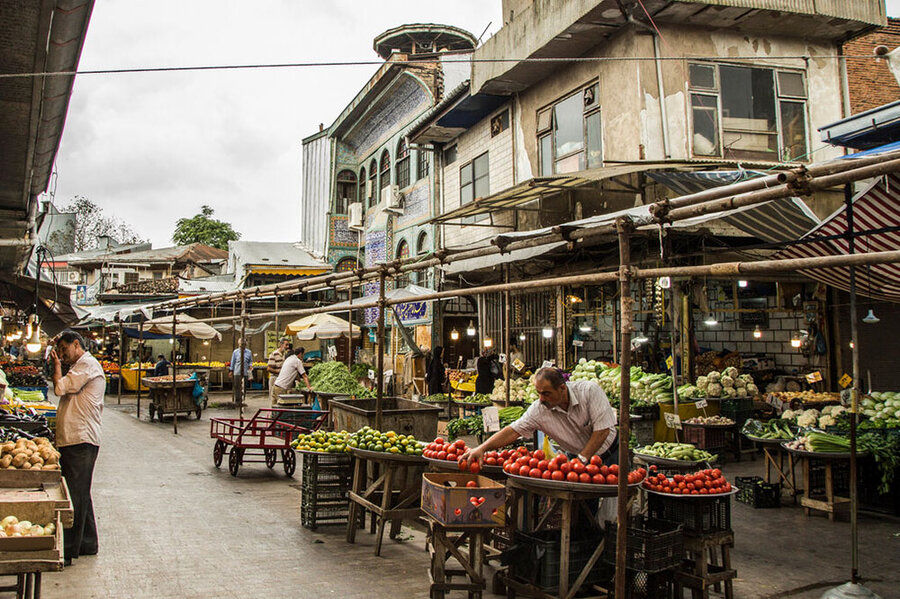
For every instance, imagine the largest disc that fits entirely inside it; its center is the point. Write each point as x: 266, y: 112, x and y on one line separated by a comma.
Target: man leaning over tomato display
x: 576, y: 415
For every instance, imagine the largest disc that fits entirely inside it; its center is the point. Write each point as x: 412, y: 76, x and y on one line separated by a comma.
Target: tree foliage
x: 205, y: 229
x: 91, y: 223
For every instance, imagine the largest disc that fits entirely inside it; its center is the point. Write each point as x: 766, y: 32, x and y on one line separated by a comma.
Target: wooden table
x: 389, y: 486
x: 443, y: 542
x: 828, y: 501
x: 774, y: 454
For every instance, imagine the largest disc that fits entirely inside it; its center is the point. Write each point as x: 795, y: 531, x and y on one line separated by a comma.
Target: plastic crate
x: 868, y: 482
x: 757, y: 493
x: 647, y: 585
x: 738, y: 409
x: 646, y: 412
x: 698, y: 515
x: 535, y: 558
x: 325, y: 484
x: 705, y: 437
x: 840, y: 473
x: 653, y: 545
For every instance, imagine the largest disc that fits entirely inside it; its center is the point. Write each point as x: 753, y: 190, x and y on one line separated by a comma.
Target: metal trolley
x: 268, y: 432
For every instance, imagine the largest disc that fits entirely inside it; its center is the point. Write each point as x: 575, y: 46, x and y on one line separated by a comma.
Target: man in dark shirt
x: 162, y: 366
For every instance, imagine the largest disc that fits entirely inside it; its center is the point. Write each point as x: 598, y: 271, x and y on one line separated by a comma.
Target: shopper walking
x: 241, y: 371
x: 78, y: 423
x: 290, y: 371
x: 435, y: 373
x: 276, y: 360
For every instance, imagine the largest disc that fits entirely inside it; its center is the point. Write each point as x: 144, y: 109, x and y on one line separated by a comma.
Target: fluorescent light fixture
x: 743, y: 283
x: 547, y: 332
x: 585, y: 327
x: 795, y: 341
x: 710, y: 320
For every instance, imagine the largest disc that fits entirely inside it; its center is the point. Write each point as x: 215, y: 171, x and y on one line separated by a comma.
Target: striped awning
x: 779, y: 220
x: 876, y: 219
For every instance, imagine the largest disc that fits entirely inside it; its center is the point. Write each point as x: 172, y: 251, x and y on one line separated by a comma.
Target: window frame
x: 373, y: 177
x: 361, y: 186
x: 401, y: 280
x: 401, y: 165
x: 423, y: 164
x: 778, y: 97
x: 384, y: 171
x: 473, y: 181
x: 546, y: 127
x: 338, y: 202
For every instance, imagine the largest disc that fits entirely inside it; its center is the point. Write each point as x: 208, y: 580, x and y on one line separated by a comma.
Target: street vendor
x: 80, y: 393
x: 276, y: 361
x: 576, y: 415
x: 290, y: 370
x: 162, y: 366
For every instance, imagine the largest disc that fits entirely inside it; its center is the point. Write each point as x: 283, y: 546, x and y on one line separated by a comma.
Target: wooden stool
x: 393, y: 494
x: 828, y: 501
x: 704, y: 571
x: 444, y: 542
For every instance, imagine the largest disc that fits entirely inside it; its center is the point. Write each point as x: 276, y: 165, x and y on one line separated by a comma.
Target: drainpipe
x: 845, y: 88
x: 662, y: 97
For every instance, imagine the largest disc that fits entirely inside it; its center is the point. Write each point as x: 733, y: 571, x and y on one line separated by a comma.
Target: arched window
x: 362, y: 186
x: 402, y: 254
x: 373, y: 182
x: 346, y: 265
x: 385, y: 170
x: 422, y: 244
x: 402, y: 164
x: 345, y: 190
x: 422, y: 164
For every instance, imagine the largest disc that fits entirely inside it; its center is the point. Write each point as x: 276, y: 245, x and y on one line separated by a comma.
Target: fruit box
x: 447, y: 499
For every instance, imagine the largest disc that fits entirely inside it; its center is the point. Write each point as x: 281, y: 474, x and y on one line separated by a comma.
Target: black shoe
x: 83, y: 552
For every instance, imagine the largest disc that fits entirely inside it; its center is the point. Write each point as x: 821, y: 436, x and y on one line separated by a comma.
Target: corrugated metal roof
x: 195, y: 252
x: 271, y: 254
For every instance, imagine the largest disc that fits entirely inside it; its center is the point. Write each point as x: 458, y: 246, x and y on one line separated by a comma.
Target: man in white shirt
x: 78, y: 422
x: 290, y: 370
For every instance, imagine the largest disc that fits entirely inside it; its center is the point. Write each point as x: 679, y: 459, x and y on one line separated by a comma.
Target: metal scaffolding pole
x: 243, y: 383
x: 121, y: 362
x: 379, y: 395
x: 174, y: 379
x: 350, y: 326
x: 140, y: 361
x: 506, y: 332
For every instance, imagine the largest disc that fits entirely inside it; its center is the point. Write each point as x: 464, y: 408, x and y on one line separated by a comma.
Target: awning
x: 875, y: 210
x: 54, y: 301
x: 185, y: 326
x: 295, y: 272
x: 520, y: 255
x: 410, y: 293
x: 108, y: 312
x: 778, y: 220
x: 320, y: 326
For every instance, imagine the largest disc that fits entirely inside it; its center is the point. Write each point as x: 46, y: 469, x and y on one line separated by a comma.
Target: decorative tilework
x: 417, y: 203
x: 401, y: 105
x: 340, y: 234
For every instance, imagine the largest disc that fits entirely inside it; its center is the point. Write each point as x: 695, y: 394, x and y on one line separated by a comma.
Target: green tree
x: 91, y: 224
x: 205, y: 229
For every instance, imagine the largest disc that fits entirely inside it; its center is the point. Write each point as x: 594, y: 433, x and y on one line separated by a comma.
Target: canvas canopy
x: 320, y: 326
x: 185, y: 326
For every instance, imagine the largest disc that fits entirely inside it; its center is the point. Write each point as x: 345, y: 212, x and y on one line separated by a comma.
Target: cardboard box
x: 447, y: 499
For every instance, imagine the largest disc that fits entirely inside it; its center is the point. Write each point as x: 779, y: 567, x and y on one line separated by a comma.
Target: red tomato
x: 539, y: 454
x: 584, y: 477
x: 546, y: 474
x: 679, y: 478
x: 577, y: 466
x: 543, y: 464
x: 472, y: 483
x: 677, y: 491
x: 598, y: 479
x: 522, y: 450
x: 553, y: 466
x: 612, y: 479
x: 460, y: 443
x: 592, y: 469
x: 596, y: 461
x: 695, y: 492
x: 566, y: 468
x: 504, y: 454
x: 439, y: 441
x: 727, y: 487
x: 492, y: 461
x: 457, y: 511
x: 557, y: 475
x: 614, y: 469
x: 524, y: 470
x: 442, y: 455
x: 704, y: 491
x: 474, y: 467
x: 535, y: 473
x: 572, y: 477
x: 533, y: 462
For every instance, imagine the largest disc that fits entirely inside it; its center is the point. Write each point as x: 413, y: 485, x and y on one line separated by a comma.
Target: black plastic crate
x: 755, y: 492
x: 313, y: 517
x: 738, y: 409
x: 535, y: 557
x: 840, y: 478
x: 650, y: 412
x: 653, y: 545
x: 324, y: 488
x: 648, y: 585
x: 698, y: 515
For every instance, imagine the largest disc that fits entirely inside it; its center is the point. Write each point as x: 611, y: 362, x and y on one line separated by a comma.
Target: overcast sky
x: 152, y: 148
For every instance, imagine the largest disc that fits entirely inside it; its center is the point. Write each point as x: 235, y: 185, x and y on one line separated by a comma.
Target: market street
x: 171, y: 525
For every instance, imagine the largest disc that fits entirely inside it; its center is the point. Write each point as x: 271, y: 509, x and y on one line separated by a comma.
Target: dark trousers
x: 77, y: 465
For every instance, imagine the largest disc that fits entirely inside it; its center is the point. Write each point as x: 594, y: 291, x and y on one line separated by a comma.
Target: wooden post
x: 350, y: 326
x: 121, y: 360
x: 174, y: 379
x: 243, y: 391
x: 379, y: 375
x: 560, y: 327
x: 506, y: 332
x: 854, y: 391
x: 624, y: 227
x: 140, y: 358
x: 277, y: 329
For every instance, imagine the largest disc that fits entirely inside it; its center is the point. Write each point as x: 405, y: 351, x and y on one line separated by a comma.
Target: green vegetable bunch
x: 335, y: 377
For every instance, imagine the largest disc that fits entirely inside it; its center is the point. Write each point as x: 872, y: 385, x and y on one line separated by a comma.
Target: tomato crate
x: 699, y: 515
x: 447, y: 499
x: 653, y: 545
x: 705, y: 437
x: 755, y: 492
x: 535, y: 557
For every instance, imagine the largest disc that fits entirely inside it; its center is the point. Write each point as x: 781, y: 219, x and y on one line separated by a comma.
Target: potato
x: 42, y: 440
x: 50, y: 467
x: 31, y: 445
x: 54, y: 459
x: 5, y: 461
x: 21, y: 443
x: 36, y: 459
x: 34, y: 467
x: 19, y: 460
x: 8, y: 447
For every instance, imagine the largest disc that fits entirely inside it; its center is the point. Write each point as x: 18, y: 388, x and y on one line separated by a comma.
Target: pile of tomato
x: 535, y: 464
x: 703, y: 482
x: 451, y: 452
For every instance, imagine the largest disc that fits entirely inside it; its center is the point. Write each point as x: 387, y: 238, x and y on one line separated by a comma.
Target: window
x: 402, y: 165
x: 385, y: 170
x: 450, y: 155
x: 423, y: 164
x: 345, y: 189
x: 373, y: 183
x: 131, y: 277
x: 157, y: 275
x: 569, y: 133
x: 346, y: 265
x: 748, y: 112
x: 362, y: 186
x: 420, y: 277
x: 500, y: 123
x: 402, y: 254
x: 474, y: 182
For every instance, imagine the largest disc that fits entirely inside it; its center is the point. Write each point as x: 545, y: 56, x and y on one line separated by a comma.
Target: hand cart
x: 163, y: 401
x: 269, y: 431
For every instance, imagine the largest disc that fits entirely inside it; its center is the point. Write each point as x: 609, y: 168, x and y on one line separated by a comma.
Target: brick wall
x: 871, y: 82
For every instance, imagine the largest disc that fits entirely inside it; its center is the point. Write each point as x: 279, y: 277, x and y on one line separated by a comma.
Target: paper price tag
x: 502, y: 358
x: 701, y: 403
x: 814, y: 377
x: 332, y: 351
x: 388, y: 374
x: 670, y: 362
x: 673, y: 421
x: 491, y: 418
x: 845, y: 380
x: 371, y: 375
x: 518, y: 364
x: 547, y: 364
x: 578, y: 343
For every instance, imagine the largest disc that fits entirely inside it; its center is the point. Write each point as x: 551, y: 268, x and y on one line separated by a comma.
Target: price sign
x: 814, y: 377
x: 332, y: 351
x: 547, y: 364
x: 388, y: 374
x: 578, y: 343
x: 518, y: 364
x: 491, y: 418
x: 670, y: 362
x: 673, y: 421
x: 371, y: 375
x: 701, y: 403
x: 845, y: 380
x: 502, y: 358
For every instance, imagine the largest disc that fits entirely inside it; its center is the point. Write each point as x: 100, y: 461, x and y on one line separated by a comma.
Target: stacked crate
x: 325, y: 484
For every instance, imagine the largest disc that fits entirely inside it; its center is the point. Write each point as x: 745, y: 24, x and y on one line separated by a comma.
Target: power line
x: 353, y: 63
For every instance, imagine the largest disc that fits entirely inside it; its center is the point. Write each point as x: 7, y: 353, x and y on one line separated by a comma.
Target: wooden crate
x: 25, y: 488
x: 46, y: 556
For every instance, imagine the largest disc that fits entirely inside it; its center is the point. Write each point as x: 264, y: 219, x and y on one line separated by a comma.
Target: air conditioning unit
x: 368, y: 188
x: 392, y: 198
x: 355, y: 219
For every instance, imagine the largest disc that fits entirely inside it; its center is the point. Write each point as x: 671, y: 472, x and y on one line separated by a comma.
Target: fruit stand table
x: 568, y: 499
x: 165, y: 401
x: 781, y: 461
x: 388, y: 485
x: 823, y: 497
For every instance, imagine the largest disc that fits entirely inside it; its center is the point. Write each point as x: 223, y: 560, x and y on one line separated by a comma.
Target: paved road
x: 172, y: 525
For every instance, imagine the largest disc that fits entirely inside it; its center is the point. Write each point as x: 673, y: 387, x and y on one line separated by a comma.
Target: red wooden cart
x: 269, y: 431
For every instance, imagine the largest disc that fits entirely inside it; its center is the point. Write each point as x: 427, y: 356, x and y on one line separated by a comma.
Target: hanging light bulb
x: 664, y: 282
x: 206, y: 342
x: 172, y: 341
x: 639, y: 339
x: 795, y: 340
x: 710, y: 320
x: 471, y: 330
x: 585, y: 327
x: 28, y: 328
x: 33, y: 345
x: 521, y: 336
x: 852, y: 344
x: 488, y: 343
x: 574, y: 299
x: 547, y: 332
x: 454, y: 335
x: 757, y: 334
x: 870, y: 318
x: 743, y: 283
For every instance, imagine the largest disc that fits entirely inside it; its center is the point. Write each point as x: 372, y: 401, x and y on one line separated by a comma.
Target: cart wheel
x: 218, y: 452
x: 235, y: 456
x: 290, y: 461
x: 271, y: 458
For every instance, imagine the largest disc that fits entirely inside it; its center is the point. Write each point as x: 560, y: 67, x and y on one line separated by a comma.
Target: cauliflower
x: 713, y: 376
x: 730, y: 371
x: 714, y: 390
x: 702, y: 382
x: 741, y: 391
x: 789, y: 414
x: 746, y: 378
x: 739, y: 384
x: 729, y: 392
x: 726, y: 381
x: 838, y: 410
x: 808, y: 418
x: 826, y: 420
x: 752, y: 389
